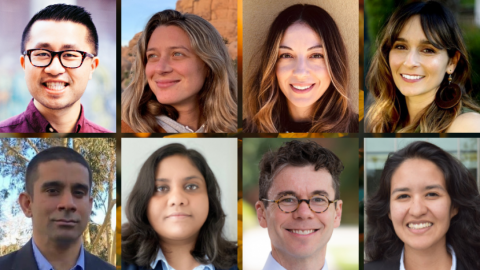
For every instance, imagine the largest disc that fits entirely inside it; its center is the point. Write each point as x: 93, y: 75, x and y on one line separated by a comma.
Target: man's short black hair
x: 63, y: 12
x: 53, y: 153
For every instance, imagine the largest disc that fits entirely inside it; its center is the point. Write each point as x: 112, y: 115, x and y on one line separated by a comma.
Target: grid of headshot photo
x: 240, y: 135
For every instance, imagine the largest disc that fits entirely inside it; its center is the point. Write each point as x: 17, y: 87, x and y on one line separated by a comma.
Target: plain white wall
x: 221, y: 156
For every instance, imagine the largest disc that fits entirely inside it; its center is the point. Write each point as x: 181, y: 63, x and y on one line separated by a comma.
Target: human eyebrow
x: 79, y: 186
x: 52, y: 184
x: 315, y: 47
x: 193, y: 177
x: 400, y: 190
x: 320, y: 192
x: 69, y: 47
x: 423, y: 41
x: 286, y: 192
x: 434, y: 187
x: 285, y: 47
x: 179, y: 47
x: 43, y: 45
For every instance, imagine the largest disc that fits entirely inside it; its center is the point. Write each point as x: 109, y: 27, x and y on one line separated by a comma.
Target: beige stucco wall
x: 259, y: 15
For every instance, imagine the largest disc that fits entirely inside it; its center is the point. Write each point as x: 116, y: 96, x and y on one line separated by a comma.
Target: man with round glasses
x: 58, y: 54
x: 299, y: 204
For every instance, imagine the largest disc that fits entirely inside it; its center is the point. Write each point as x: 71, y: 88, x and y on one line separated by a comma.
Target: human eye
x: 432, y: 194
x: 191, y: 187
x: 428, y: 51
x: 288, y: 200
x: 399, y: 47
x: 318, y: 199
x: 79, y: 193
x: 285, y: 55
x: 162, y: 189
x: 402, y: 196
x: 151, y: 56
x: 52, y: 191
x: 317, y: 55
x: 177, y: 54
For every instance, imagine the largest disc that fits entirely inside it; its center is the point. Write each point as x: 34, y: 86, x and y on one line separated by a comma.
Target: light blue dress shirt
x: 272, y: 264
x: 43, y: 264
x: 454, y: 259
x: 161, y: 258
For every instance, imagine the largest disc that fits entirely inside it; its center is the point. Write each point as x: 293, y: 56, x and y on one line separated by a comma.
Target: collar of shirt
x: 272, y: 264
x: 161, y: 258
x: 454, y: 259
x: 40, y: 124
x: 43, y: 264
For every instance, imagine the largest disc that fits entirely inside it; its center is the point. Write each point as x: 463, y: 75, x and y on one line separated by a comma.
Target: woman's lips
x: 301, y: 88
x: 411, y: 78
x: 166, y: 83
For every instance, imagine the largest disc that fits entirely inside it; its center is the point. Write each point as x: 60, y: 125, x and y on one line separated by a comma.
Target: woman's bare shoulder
x: 467, y: 122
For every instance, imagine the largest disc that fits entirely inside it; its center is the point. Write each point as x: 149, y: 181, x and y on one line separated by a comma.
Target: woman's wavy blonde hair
x: 264, y: 102
x: 217, y: 98
x: 389, y: 111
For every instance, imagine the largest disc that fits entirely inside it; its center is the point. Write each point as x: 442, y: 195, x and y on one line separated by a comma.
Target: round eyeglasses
x: 68, y: 58
x: 289, y: 203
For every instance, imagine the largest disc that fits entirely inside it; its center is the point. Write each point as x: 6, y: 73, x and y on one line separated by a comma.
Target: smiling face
x: 301, y: 69
x: 179, y: 207
x: 418, y: 68
x: 303, y: 233
x: 174, y: 72
x: 55, y: 87
x: 420, y: 206
x: 61, y: 203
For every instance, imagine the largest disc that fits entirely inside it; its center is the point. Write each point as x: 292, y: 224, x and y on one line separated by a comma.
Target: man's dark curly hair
x: 298, y: 154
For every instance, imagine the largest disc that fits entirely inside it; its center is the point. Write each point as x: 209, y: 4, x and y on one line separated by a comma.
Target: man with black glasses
x: 299, y: 204
x: 59, y: 48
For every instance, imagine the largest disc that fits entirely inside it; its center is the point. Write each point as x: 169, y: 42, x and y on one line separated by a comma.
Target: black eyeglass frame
x: 299, y: 202
x: 59, y: 53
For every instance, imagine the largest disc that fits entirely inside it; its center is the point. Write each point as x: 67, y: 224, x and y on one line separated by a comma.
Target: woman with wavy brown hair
x: 301, y: 82
x: 183, y: 79
x: 420, y: 75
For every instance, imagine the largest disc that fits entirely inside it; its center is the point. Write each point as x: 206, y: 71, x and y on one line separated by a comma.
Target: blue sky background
x: 135, y: 15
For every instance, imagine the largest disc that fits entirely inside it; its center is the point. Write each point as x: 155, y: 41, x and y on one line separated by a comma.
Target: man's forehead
x: 55, y: 170
x: 56, y: 35
x: 302, y: 181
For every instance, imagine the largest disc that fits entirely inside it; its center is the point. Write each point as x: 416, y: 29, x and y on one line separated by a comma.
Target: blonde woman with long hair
x: 420, y: 74
x: 301, y: 83
x: 183, y: 79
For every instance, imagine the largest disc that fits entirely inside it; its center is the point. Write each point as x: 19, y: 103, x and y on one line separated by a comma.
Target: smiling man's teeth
x: 419, y: 226
x: 410, y: 77
x: 301, y: 87
x: 55, y: 85
x: 303, y: 231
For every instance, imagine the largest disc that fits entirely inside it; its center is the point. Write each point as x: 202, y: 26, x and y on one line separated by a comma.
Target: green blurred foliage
x: 345, y: 148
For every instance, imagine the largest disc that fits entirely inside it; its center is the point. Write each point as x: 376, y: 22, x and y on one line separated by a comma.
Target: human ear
x: 25, y: 201
x: 261, y: 214
x: 453, y: 63
x: 94, y: 65
x: 338, y: 214
x: 453, y: 212
x: 22, y: 61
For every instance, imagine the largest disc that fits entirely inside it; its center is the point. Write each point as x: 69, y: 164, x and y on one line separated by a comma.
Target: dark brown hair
x: 264, y: 101
x: 383, y: 243
x: 140, y: 242
x: 298, y: 154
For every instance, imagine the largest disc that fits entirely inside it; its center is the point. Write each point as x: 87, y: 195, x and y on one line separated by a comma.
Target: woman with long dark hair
x: 175, y: 218
x: 301, y: 81
x: 420, y: 75
x: 425, y: 214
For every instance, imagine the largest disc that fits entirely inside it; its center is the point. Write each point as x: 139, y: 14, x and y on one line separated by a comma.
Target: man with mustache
x: 57, y: 197
x: 59, y: 55
x: 299, y: 204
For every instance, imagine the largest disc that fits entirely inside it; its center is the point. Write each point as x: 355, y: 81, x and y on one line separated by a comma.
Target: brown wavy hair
x: 389, y: 113
x: 140, y: 242
x: 264, y: 102
x: 218, y: 96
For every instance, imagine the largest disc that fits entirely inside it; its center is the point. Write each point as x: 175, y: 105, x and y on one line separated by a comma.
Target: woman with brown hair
x: 301, y: 83
x: 183, y: 79
x: 420, y: 75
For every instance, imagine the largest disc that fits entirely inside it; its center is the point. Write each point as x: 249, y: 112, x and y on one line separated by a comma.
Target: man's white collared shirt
x: 272, y: 264
x: 454, y: 259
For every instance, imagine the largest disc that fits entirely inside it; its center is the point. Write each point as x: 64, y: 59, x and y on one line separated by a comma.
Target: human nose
x: 418, y: 207
x: 55, y: 66
x: 411, y: 59
x: 303, y: 211
x: 67, y: 202
x: 177, y: 197
x: 301, y: 67
x: 163, y: 65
